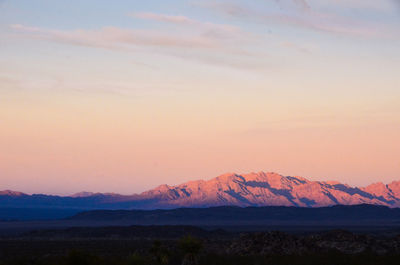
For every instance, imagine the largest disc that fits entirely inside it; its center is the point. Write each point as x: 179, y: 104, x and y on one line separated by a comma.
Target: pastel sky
x: 121, y: 96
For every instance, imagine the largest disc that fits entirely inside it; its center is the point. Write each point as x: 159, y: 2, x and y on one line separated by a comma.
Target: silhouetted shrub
x: 136, y: 259
x: 77, y: 257
x: 160, y: 253
x: 191, y: 247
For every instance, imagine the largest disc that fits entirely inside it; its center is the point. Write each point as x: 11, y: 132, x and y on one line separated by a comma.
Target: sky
x: 122, y: 96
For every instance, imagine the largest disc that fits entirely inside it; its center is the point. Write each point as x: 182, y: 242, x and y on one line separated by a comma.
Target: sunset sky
x: 121, y: 96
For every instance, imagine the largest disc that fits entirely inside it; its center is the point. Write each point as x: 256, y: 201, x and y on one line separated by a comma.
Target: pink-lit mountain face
x: 254, y: 189
x: 271, y: 189
x: 11, y: 193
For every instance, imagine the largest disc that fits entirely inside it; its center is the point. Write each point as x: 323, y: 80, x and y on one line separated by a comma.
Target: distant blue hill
x: 355, y: 214
x: 247, y: 190
x: 28, y: 214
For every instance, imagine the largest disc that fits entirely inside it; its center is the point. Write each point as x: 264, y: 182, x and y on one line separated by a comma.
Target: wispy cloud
x: 383, y: 5
x: 301, y: 14
x: 113, y: 37
x: 207, y: 28
x: 208, y: 43
x: 300, y: 4
x: 164, y: 18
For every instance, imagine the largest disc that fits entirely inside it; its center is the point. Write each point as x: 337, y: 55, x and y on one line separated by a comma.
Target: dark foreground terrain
x: 148, y: 245
x: 217, y: 216
x: 360, y: 234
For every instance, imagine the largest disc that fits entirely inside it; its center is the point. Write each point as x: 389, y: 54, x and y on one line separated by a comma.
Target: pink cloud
x: 117, y: 37
x: 164, y: 18
x: 206, y: 46
x: 385, y: 5
x: 207, y: 28
x: 300, y: 4
x: 307, y: 17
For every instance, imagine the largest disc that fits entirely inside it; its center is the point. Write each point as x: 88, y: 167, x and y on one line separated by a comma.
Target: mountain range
x: 253, y: 189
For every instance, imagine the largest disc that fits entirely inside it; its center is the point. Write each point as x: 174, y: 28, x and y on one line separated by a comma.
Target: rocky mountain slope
x: 254, y: 189
x: 271, y: 189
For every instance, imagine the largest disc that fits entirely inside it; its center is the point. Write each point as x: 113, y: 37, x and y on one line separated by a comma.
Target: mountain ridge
x: 272, y: 189
x: 230, y: 189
